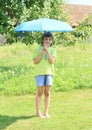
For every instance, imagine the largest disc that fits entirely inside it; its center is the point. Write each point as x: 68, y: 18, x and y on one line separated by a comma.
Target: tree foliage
x: 84, y: 30
x: 15, y: 12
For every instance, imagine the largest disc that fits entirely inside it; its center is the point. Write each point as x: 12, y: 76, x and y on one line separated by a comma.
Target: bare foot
x: 47, y: 115
x: 40, y: 115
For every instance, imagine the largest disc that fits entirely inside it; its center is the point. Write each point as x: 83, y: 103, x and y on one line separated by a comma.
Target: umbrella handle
x: 21, y: 34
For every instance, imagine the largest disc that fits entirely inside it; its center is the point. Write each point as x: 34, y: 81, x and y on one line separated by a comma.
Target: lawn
x: 69, y: 111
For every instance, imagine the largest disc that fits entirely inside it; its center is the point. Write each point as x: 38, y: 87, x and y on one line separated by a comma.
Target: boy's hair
x: 47, y: 34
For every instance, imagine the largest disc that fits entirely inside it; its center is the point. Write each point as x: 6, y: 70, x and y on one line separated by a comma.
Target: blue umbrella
x: 44, y: 24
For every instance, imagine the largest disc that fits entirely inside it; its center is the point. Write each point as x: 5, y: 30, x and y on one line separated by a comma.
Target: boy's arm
x: 50, y: 57
x: 39, y: 57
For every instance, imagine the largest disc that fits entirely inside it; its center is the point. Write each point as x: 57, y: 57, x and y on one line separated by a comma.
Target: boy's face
x: 47, y: 41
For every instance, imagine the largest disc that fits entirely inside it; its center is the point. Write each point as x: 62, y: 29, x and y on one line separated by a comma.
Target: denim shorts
x: 44, y: 80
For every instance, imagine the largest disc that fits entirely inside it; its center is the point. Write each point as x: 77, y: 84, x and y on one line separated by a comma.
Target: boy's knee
x: 47, y: 94
x: 39, y: 94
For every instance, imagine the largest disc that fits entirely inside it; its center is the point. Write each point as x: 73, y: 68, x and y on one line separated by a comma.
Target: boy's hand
x: 43, y: 51
x: 46, y: 49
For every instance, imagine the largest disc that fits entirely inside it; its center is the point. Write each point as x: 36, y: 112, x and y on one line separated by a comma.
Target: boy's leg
x: 38, y: 101
x: 47, y: 100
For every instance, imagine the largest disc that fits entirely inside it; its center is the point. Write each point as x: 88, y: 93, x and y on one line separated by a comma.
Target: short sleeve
x: 53, y: 52
x: 36, y: 52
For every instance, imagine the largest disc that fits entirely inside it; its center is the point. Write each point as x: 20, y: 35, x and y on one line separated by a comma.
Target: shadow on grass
x: 5, y: 121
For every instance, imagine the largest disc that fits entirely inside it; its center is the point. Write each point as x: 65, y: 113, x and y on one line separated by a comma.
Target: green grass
x: 73, y: 68
x: 69, y: 111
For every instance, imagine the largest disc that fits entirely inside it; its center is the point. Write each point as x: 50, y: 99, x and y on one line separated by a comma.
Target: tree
x: 84, y: 30
x: 14, y: 12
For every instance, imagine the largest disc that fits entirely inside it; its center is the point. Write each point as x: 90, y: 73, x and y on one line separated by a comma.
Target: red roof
x: 77, y: 12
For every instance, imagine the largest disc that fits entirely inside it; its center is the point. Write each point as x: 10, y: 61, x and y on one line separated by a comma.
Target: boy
x: 44, y: 58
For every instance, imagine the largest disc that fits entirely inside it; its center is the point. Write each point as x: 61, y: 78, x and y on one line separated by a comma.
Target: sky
x: 81, y: 2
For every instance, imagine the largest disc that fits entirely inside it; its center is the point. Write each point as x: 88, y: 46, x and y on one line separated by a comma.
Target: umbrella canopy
x: 44, y: 24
